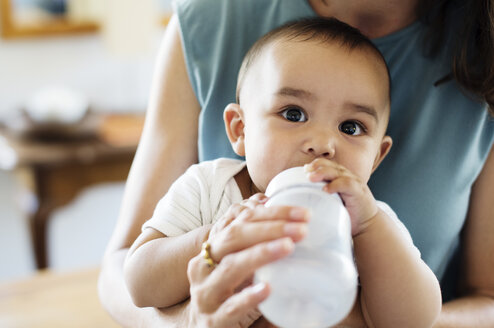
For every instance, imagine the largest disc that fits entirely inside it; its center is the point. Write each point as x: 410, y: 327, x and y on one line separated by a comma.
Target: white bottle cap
x: 289, y: 177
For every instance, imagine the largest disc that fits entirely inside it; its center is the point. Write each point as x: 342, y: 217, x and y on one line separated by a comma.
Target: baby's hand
x: 356, y: 195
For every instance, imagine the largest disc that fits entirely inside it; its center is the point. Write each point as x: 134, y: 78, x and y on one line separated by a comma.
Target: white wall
x: 15, y: 249
x: 110, y: 84
x: 80, y: 62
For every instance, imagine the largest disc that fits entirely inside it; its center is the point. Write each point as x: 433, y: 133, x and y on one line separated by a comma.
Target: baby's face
x: 303, y: 100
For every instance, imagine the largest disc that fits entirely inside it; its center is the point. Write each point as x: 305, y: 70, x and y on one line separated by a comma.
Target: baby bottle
x: 316, y: 285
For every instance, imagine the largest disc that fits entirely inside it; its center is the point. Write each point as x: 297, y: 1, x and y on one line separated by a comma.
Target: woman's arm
x: 115, y: 297
x: 476, y: 308
x: 168, y: 146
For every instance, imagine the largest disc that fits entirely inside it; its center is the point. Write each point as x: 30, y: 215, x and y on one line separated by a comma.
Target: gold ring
x: 206, y: 253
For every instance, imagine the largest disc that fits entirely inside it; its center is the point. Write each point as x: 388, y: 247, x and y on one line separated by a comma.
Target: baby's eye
x: 351, y: 128
x: 294, y: 114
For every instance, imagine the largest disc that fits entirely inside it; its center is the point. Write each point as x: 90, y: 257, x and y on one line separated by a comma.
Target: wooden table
x: 52, y: 300
x: 55, y: 171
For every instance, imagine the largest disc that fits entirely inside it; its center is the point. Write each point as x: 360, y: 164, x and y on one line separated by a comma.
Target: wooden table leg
x: 39, y: 231
x: 57, y: 186
x: 47, y: 202
x: 37, y: 208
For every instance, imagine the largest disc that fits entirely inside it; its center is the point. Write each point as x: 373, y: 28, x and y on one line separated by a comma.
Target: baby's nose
x: 322, y: 148
x: 326, y: 154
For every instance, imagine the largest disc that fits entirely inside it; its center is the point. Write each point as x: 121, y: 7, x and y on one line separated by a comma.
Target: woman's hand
x: 247, y: 237
x: 250, y: 222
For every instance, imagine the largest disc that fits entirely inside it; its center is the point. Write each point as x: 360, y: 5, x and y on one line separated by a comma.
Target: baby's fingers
x: 346, y: 186
x: 325, y: 171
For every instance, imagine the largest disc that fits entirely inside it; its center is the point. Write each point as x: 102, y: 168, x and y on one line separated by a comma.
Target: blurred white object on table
x: 57, y: 104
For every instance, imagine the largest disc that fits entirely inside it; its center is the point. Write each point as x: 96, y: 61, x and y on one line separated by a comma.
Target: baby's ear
x: 386, y: 144
x: 234, y: 125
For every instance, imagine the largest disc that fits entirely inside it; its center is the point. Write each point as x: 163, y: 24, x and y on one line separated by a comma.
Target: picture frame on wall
x: 37, y: 18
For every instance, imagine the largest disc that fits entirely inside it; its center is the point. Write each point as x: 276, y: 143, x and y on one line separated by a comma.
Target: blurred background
x: 74, y: 82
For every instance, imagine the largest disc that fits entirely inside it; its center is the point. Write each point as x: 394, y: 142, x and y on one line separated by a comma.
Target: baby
x: 316, y: 93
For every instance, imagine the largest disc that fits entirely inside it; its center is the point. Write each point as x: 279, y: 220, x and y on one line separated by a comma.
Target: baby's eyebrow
x: 364, y: 109
x: 305, y: 94
x: 292, y: 92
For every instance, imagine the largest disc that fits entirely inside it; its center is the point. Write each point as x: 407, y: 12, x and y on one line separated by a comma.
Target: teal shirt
x: 441, y: 136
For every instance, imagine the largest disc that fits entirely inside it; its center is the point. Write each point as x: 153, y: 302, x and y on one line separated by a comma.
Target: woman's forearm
x: 161, y: 158
x: 397, y: 287
x: 117, y: 301
x: 476, y: 307
x: 156, y: 271
x: 465, y: 312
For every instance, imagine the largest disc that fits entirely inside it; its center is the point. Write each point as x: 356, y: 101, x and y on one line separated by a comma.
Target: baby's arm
x: 155, y: 269
x: 397, y: 288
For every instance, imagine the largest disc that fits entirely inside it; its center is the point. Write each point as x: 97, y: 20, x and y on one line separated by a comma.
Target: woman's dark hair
x: 319, y: 29
x: 473, y: 58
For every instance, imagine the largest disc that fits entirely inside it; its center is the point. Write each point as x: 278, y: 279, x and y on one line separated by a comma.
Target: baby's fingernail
x: 299, y: 213
x: 308, y: 168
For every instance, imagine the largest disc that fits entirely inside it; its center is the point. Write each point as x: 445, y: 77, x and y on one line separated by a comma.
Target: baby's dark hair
x: 324, y: 30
